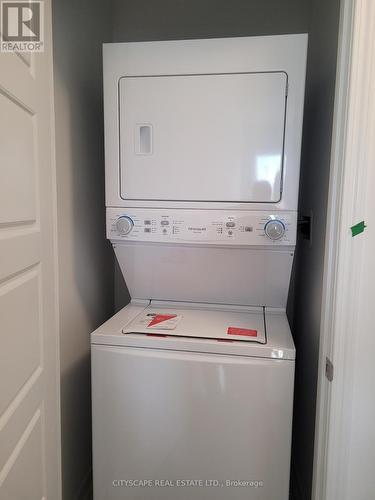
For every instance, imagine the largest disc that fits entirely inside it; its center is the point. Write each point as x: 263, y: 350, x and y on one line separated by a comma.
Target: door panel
x: 17, y: 185
x: 202, y: 137
x: 166, y: 415
x: 29, y: 402
x: 23, y: 344
x: 25, y: 467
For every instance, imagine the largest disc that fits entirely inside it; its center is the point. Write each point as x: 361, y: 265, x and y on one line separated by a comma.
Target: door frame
x: 351, y: 157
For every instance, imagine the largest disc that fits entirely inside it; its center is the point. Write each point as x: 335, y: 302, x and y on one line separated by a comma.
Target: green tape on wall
x: 358, y: 228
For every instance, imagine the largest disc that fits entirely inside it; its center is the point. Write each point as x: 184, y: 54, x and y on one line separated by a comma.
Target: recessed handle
x: 143, y: 139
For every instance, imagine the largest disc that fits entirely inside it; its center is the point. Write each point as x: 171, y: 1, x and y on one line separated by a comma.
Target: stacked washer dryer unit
x: 193, y: 380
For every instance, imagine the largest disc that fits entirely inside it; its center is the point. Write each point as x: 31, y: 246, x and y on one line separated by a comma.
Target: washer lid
x: 247, y: 324
x: 279, y: 344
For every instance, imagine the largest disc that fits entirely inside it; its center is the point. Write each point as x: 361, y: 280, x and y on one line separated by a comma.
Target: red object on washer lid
x: 246, y: 332
x: 159, y: 318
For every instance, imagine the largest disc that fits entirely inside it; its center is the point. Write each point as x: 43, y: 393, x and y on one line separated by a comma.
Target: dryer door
x: 202, y: 137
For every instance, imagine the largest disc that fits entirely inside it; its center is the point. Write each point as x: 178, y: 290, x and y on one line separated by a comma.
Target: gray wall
x: 176, y: 19
x: 85, y: 258
x: 306, y: 292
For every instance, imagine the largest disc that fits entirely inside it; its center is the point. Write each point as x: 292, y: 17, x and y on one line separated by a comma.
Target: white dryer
x: 192, y: 382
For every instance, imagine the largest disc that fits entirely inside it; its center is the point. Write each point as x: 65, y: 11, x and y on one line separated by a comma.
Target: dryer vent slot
x: 304, y: 226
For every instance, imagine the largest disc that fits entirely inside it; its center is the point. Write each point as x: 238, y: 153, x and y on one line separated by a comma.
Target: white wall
x: 85, y: 257
x: 350, y: 339
x: 360, y: 477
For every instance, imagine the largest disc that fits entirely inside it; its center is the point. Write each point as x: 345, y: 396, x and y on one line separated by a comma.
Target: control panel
x: 202, y: 226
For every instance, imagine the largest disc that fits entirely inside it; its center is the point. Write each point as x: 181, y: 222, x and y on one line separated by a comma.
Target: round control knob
x: 274, y: 229
x: 124, y: 225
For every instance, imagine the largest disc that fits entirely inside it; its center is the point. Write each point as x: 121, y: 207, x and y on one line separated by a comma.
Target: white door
x: 29, y: 408
x: 217, y: 137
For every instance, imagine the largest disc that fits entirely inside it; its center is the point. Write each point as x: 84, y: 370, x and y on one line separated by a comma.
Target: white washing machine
x: 192, y: 382
x: 206, y: 412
